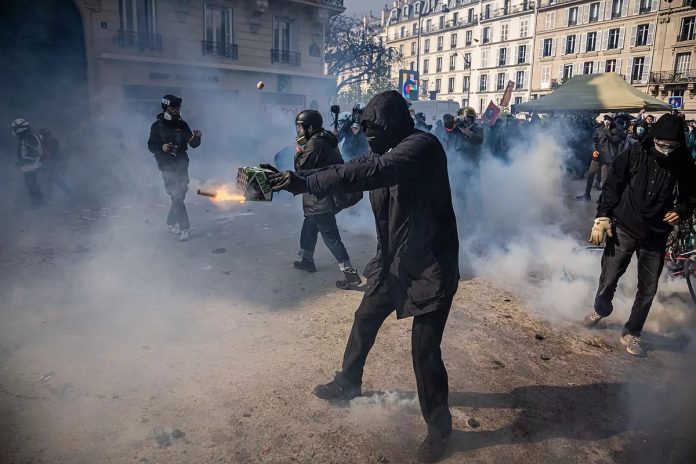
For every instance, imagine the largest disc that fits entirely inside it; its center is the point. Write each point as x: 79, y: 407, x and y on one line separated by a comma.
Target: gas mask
x: 640, y: 131
x: 172, y: 116
x: 666, y: 147
x: 301, y: 138
x: 378, y: 140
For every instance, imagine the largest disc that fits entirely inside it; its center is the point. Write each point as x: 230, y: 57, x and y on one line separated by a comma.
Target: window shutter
x: 585, y: 14
x: 607, y: 9
x: 565, y: 45
x: 605, y: 39
x: 654, y: 5
x: 646, y: 70
x: 634, y: 32
x: 566, y: 15
x: 629, y: 69
x: 622, y: 32
x: 618, y: 66
x: 560, y: 72
x: 624, y: 9
x: 600, y: 13
x: 583, y: 43
x: 651, y: 33
x: 636, y: 7
x: 541, y: 48
x: 553, y: 47
x: 577, y: 42
x: 595, y: 68
x: 524, y: 81
x: 601, y: 69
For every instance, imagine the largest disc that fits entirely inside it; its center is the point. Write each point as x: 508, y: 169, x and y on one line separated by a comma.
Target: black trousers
x: 617, y: 255
x: 326, y: 225
x: 426, y: 337
x: 32, y: 184
x: 176, y: 182
x: 596, y: 168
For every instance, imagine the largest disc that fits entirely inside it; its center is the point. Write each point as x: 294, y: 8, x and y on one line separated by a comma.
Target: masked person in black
x: 415, y: 271
x: 170, y: 137
x: 29, y: 155
x: 318, y: 149
x: 637, y: 212
x: 607, y: 143
x: 353, y: 137
x: 419, y: 119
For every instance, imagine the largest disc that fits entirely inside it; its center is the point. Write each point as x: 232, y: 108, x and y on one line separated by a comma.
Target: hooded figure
x: 649, y: 190
x: 415, y: 270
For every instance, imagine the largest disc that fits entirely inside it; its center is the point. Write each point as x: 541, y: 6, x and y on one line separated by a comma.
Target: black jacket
x: 176, y: 132
x: 418, y: 248
x: 607, y: 141
x: 29, y: 148
x: 321, y: 150
x: 640, y: 190
x: 468, y: 148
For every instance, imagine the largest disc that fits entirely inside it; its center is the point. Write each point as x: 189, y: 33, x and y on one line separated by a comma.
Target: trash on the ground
x: 265, y: 449
x: 498, y: 364
x: 246, y: 414
x: 473, y: 423
x: 507, y: 299
x: 176, y: 433
x: 545, y: 357
x: 598, y: 342
x: 160, y: 436
x: 219, y: 251
x: 539, y: 337
x: 382, y: 459
x: 48, y: 376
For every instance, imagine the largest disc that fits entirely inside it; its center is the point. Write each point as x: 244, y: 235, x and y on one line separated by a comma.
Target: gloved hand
x: 600, y: 229
x: 166, y: 147
x: 269, y: 167
x: 595, y: 154
x: 288, y: 180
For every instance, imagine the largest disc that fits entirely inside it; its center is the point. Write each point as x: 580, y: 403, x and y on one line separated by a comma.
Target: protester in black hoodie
x: 169, y: 140
x: 415, y: 271
x: 637, y: 212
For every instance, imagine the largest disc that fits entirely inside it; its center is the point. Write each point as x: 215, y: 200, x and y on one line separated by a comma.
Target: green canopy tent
x: 606, y: 92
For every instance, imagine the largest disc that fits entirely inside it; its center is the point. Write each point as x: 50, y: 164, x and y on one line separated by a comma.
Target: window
x: 567, y: 71
x: 613, y: 39
x: 487, y: 12
x: 405, y: 11
x: 524, y: 27
x: 455, y: 18
x: 610, y: 66
x: 518, y: 100
x: 506, y: 7
x: 573, y: 16
x: 550, y: 20
x: 591, y: 42
x: 570, y: 44
x: 594, y: 12
x: 482, y: 102
x: 138, y: 26
x: 486, y: 35
x: 483, y: 83
x: 502, y: 56
x: 616, y: 8
x: 218, y: 31
x: 402, y: 32
x: 466, y: 84
x: 545, y: 77
x: 519, y: 80
x: 465, y: 102
x: 450, y: 85
x: 453, y: 62
x: 682, y: 62
x: 521, y: 54
x: 637, y: 69
x: 442, y: 22
x: 438, y: 64
x: 467, y: 61
x: 548, y: 47
x: 426, y: 46
x: 438, y: 85
x: 453, y: 41
x: 401, y: 49
x: 644, y: 6
x: 283, y: 35
x: 413, y: 48
x: 484, y: 58
x: 412, y: 66
x: 641, y: 35
x: 588, y: 67
x: 688, y: 29
x: 468, y: 38
x: 424, y: 86
x: 500, y: 82
x: 504, y: 29
x: 470, y: 16
x: 414, y: 29
x: 426, y: 65
x: 440, y: 43
x: 428, y: 25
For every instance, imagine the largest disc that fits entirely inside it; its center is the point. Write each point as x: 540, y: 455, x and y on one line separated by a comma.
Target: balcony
x: 673, y: 77
x: 141, y: 41
x: 227, y: 50
x: 286, y: 56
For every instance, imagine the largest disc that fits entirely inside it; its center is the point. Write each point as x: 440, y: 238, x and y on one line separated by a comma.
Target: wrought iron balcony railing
x: 220, y: 49
x: 286, y: 56
x: 139, y: 40
x: 673, y: 77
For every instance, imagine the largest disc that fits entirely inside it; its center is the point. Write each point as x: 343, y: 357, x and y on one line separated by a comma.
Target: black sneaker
x: 338, y: 389
x: 583, y: 197
x: 352, y: 280
x: 305, y: 265
x: 432, y: 448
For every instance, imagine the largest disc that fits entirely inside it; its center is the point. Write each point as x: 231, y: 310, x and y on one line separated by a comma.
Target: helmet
x: 310, y: 118
x: 468, y: 112
x: 19, y: 125
x: 170, y: 100
x: 344, y: 116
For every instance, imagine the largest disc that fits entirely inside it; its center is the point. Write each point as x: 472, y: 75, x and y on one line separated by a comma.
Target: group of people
x: 38, y: 153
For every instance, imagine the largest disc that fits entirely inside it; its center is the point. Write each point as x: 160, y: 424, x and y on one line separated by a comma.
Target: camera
x: 335, y: 109
x: 174, y: 149
x: 464, y: 123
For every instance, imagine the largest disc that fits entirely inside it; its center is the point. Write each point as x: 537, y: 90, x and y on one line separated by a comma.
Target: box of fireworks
x: 252, y: 182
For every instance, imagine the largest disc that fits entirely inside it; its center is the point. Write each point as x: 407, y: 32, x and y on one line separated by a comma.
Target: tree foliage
x: 357, y: 53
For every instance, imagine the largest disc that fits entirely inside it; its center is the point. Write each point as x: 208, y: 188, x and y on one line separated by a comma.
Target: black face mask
x: 378, y: 140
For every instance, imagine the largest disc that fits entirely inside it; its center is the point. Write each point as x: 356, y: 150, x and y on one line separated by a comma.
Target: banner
x: 507, y: 96
x: 491, y: 114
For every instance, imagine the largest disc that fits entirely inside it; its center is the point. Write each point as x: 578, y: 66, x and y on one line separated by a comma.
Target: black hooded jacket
x: 418, y: 248
x: 640, y: 190
x: 176, y: 132
x: 321, y: 150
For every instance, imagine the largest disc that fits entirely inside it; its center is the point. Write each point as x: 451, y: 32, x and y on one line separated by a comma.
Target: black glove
x: 288, y: 180
x: 269, y: 167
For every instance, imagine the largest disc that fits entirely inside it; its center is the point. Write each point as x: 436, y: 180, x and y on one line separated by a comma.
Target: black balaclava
x: 387, y: 121
x: 669, y: 128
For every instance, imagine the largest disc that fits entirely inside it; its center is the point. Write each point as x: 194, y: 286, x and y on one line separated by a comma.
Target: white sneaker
x: 184, y: 235
x: 632, y: 344
x: 174, y: 229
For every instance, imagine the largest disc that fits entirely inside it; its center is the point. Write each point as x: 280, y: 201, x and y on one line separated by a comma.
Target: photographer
x: 419, y: 120
x: 353, y: 138
x: 170, y: 137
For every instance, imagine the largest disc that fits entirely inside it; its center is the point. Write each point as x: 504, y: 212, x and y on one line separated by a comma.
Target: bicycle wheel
x: 690, y: 275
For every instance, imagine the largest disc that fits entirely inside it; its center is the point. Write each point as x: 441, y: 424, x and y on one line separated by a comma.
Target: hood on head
x: 668, y: 127
x: 389, y: 111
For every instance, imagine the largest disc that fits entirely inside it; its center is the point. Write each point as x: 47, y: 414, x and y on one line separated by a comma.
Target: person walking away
x: 170, y: 137
x: 29, y: 154
x: 607, y: 141
x: 54, y: 164
x: 650, y: 189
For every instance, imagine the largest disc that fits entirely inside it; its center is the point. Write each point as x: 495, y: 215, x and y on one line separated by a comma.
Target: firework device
x: 252, y: 182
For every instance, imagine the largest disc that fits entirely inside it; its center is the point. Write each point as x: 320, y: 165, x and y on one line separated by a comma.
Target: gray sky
x: 363, y: 6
